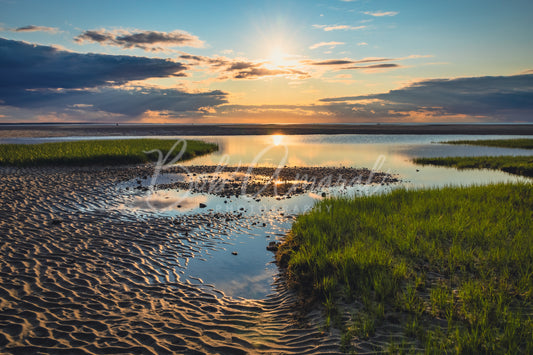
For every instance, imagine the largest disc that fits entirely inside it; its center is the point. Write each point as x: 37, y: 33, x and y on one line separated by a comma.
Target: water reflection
x: 166, y: 200
x: 277, y: 139
x: 395, y: 151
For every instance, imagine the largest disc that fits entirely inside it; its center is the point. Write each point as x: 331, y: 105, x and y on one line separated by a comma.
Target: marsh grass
x: 454, y: 265
x: 523, y: 143
x: 96, y: 152
x: 518, y: 165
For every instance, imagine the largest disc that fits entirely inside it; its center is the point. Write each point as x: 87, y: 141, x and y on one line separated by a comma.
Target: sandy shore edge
x: 62, y: 130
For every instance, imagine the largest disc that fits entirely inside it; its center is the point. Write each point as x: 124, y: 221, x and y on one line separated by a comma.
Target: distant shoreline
x: 63, y: 130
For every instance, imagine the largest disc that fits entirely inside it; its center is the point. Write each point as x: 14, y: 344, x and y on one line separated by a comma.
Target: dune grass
x: 96, y: 152
x: 452, y: 266
x: 522, y: 143
x: 518, y: 165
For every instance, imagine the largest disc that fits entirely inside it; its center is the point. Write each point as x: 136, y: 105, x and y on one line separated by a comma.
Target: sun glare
x: 277, y: 139
x: 278, y: 57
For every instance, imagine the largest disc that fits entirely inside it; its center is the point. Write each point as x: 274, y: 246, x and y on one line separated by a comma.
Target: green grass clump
x: 524, y: 143
x: 518, y: 165
x: 453, y: 266
x: 96, y: 152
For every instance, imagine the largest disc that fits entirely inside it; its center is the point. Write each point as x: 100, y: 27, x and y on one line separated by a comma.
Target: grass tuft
x: 518, y: 165
x: 96, y: 152
x: 523, y: 143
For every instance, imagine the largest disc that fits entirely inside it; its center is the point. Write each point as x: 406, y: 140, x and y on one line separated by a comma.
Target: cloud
x: 242, y: 69
x: 344, y: 62
x: 347, y: 63
x: 127, y: 101
x: 376, y: 66
x: 328, y: 28
x: 33, y: 28
x: 330, y: 62
x: 153, y: 41
x: 501, y: 98
x: 381, y: 13
x: 26, y: 66
x: 328, y: 44
x: 362, y: 44
x: 48, y: 82
x: 116, y: 103
x: 252, y: 73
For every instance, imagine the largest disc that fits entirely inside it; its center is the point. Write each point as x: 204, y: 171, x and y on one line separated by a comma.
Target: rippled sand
x: 79, y: 277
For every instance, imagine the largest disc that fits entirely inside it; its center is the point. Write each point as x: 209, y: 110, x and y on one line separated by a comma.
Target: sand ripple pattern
x: 76, y: 278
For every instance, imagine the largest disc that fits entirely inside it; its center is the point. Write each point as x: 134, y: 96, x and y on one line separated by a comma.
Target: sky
x: 305, y: 61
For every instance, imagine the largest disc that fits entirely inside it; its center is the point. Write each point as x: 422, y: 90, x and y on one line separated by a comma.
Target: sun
x: 277, y: 57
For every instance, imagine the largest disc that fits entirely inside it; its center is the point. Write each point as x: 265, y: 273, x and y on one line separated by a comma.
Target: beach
x: 79, y: 277
x: 114, y: 259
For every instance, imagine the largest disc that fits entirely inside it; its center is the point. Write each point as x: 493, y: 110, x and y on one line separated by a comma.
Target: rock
x: 179, y: 206
x: 234, y: 253
x: 203, y: 205
x: 273, y: 246
x: 324, y: 194
x: 57, y: 221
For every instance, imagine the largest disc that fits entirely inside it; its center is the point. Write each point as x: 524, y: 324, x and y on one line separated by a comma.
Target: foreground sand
x: 78, y: 278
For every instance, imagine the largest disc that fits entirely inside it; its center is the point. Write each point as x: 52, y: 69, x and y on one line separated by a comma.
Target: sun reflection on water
x: 277, y: 139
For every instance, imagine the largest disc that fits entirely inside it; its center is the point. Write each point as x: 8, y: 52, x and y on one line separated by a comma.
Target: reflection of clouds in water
x: 250, y: 285
x: 166, y: 200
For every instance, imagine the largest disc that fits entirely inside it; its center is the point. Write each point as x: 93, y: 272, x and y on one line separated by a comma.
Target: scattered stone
x: 273, y: 246
x: 234, y: 253
x: 324, y: 194
x: 203, y: 205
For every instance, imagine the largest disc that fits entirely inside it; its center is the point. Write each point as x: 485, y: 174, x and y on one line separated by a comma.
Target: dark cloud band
x: 26, y: 66
x: 146, y: 40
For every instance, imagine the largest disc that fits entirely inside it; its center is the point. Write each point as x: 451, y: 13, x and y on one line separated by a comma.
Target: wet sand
x: 63, y: 130
x: 77, y: 277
